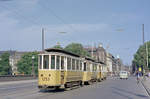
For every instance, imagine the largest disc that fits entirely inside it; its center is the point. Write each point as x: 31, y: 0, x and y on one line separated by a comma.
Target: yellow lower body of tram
x: 49, y: 79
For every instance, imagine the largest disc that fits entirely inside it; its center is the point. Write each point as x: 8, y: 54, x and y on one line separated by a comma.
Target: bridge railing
x: 16, y: 77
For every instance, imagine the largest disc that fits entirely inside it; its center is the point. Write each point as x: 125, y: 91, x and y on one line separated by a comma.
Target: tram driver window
x: 40, y: 62
x: 53, y: 62
x: 46, y: 62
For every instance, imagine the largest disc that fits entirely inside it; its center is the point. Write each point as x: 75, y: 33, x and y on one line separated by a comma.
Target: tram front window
x: 53, y: 62
x: 46, y: 62
x: 58, y: 62
x: 40, y: 62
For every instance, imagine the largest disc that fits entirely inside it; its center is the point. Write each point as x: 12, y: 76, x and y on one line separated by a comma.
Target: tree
x: 5, y: 68
x: 140, y: 58
x: 77, y: 48
x: 58, y: 47
x: 25, y: 63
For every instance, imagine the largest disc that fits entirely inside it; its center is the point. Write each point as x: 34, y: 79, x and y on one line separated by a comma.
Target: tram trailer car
x: 59, y: 68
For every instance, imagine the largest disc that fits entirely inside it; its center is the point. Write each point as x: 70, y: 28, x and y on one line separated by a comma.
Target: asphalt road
x: 112, y: 88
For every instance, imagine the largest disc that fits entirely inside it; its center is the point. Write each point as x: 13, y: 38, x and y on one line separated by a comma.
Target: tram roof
x: 61, y: 51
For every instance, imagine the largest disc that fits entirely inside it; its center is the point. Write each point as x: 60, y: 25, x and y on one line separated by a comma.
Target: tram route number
x: 46, y: 79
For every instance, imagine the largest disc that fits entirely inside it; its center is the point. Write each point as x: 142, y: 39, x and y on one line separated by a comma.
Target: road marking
x: 145, y: 89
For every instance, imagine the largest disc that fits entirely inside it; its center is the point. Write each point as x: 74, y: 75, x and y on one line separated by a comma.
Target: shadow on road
x: 129, y: 92
x: 52, y: 91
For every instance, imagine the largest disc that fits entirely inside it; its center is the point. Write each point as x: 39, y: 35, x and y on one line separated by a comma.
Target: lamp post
x: 33, y: 71
x: 147, y: 54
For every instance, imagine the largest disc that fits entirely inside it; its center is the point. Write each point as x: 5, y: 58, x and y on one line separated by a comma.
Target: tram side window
x: 95, y: 67
x: 68, y: 63
x: 58, y: 62
x: 88, y: 66
x: 73, y: 64
x: 53, y: 62
x: 84, y: 67
x: 80, y: 65
x: 40, y: 62
x: 62, y: 62
x: 77, y: 65
x: 46, y: 62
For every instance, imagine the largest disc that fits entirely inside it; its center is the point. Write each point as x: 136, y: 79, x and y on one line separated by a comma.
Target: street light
x: 33, y: 71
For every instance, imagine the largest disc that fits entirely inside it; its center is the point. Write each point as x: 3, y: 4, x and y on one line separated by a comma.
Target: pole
x: 143, y: 34
x: 42, y: 39
x: 147, y: 54
x: 33, y: 71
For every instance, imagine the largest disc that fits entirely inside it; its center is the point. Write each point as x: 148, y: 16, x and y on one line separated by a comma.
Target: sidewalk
x: 146, y: 84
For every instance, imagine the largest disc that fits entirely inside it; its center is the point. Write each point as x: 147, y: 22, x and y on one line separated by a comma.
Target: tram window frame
x: 88, y: 66
x: 62, y: 65
x: 45, y: 62
x: 80, y: 65
x: 54, y: 62
x: 73, y: 64
x: 57, y: 62
x: 68, y: 63
x: 40, y: 61
x: 93, y: 67
x: 77, y: 65
x: 84, y: 66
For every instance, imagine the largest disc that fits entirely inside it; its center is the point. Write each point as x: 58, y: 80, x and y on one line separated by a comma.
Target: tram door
x: 84, y: 66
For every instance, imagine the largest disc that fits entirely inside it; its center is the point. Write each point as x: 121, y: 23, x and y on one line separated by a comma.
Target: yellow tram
x: 59, y: 68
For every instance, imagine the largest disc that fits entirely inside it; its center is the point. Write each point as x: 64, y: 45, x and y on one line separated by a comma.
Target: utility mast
x: 143, y: 34
x: 43, y: 39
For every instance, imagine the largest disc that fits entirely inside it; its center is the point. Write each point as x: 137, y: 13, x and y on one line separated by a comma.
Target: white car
x: 123, y: 75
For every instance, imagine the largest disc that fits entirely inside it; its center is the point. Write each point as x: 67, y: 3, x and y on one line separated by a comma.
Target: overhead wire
x: 51, y: 12
x: 22, y: 16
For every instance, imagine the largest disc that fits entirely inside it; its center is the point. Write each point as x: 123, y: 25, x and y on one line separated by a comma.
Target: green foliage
x: 77, y: 49
x: 140, y: 58
x: 5, y: 68
x: 58, y: 47
x: 25, y: 63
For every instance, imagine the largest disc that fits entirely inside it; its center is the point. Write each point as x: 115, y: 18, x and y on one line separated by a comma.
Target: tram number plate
x: 45, y: 79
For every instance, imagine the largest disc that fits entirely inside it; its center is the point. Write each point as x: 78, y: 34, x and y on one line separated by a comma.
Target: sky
x: 116, y: 24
